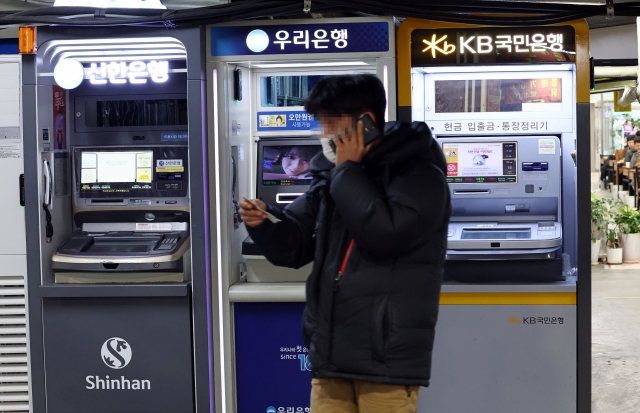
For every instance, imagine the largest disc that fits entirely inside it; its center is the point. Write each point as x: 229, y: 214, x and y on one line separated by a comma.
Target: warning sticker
x: 10, y: 151
x: 546, y: 146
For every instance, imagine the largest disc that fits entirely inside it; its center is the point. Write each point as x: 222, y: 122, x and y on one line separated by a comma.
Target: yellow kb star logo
x: 434, y: 46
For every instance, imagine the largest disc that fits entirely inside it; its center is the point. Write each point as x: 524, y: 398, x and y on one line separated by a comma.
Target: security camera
x: 629, y: 95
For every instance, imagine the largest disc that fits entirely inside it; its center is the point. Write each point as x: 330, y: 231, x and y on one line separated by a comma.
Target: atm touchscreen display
x: 481, y: 162
x: 121, y: 172
x: 288, y: 165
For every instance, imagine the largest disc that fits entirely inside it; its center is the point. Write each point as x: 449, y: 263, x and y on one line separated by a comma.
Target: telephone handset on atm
x: 47, y: 179
x: 46, y: 201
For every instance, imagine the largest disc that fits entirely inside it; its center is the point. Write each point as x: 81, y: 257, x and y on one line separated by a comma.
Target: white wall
x: 614, y: 42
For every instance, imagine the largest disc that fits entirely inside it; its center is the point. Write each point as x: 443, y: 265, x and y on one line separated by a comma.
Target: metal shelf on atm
x: 545, y: 287
x: 249, y: 292
x: 115, y: 290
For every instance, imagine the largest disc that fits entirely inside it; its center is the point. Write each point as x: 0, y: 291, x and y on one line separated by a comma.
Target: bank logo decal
x: 536, y: 320
x: 436, y: 45
x: 116, y: 353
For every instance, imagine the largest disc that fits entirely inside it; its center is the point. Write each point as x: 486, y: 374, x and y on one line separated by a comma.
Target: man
x: 374, y: 222
x: 630, y: 149
x: 635, y: 153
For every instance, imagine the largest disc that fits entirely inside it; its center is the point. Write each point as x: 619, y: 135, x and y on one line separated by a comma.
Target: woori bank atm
x: 117, y: 215
x: 259, y: 75
x: 505, y: 105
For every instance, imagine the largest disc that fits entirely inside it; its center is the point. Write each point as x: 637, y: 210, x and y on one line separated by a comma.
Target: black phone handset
x: 369, y: 129
x: 46, y: 201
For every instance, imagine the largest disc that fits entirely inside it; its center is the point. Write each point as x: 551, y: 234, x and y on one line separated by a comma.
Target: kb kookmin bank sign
x: 492, y: 45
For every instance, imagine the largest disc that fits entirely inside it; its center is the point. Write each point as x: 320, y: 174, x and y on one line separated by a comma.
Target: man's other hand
x: 251, y: 215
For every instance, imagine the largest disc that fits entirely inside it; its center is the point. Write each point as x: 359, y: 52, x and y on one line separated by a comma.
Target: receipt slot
x: 509, y: 106
x: 259, y: 75
x: 120, y: 275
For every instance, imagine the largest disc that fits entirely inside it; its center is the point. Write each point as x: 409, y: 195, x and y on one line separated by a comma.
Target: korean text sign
x: 496, y: 45
x: 300, y: 39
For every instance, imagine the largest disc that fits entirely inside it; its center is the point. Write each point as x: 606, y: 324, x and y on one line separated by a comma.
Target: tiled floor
x: 616, y: 338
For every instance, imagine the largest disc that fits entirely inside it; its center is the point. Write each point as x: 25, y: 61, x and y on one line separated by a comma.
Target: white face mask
x: 327, y: 150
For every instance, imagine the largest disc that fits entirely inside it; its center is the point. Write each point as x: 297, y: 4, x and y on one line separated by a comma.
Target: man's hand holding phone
x: 355, y: 144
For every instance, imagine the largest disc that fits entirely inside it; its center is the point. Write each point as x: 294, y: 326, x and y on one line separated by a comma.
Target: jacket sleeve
x: 413, y: 207
x: 289, y: 243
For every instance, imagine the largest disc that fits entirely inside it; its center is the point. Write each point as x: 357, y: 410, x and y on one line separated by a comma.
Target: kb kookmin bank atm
x: 123, y: 304
x: 502, y: 103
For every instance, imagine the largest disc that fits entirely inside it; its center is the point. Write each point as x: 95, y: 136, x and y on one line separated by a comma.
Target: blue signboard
x: 175, y: 137
x: 300, y: 38
x: 288, y: 120
x: 272, y: 364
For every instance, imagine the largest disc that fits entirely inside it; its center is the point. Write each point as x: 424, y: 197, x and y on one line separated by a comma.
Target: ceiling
x: 594, y: 22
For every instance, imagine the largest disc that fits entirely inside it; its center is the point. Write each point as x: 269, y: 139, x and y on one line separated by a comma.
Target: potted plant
x: 614, y: 239
x: 628, y: 220
x: 598, y: 224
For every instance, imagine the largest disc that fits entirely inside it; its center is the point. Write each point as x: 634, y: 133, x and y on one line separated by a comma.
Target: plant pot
x: 614, y: 255
x: 595, y: 251
x: 631, y: 201
x: 623, y: 195
x: 631, y: 247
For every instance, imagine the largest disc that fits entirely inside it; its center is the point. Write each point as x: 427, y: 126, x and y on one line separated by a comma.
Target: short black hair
x: 637, y: 139
x: 348, y: 95
x: 633, y: 136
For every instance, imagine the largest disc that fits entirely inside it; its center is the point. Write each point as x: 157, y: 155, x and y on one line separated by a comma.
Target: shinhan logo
x: 435, y: 46
x: 116, y: 353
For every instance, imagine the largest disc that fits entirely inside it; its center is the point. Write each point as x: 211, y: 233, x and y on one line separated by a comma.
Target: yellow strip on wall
x: 508, y: 299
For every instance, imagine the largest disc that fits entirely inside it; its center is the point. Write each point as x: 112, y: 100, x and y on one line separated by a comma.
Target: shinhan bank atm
x: 115, y: 178
x: 259, y: 75
x: 506, y: 105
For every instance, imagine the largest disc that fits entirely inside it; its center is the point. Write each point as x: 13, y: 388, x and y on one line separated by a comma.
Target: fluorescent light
x: 314, y: 64
x: 104, y: 4
x: 497, y: 68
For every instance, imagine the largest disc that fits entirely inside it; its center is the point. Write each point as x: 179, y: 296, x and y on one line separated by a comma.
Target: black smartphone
x: 369, y: 129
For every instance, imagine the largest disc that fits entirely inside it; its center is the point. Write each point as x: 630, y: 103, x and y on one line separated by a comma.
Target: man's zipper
x: 343, y: 266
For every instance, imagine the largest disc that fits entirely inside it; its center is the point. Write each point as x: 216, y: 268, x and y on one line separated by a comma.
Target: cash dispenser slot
x: 535, y: 166
x: 287, y: 198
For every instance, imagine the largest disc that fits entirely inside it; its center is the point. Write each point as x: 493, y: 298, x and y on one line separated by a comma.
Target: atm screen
x: 481, y: 162
x: 498, y: 95
x: 287, y: 165
x: 121, y: 172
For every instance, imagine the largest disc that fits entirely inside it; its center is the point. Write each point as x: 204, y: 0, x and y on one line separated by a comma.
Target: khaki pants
x: 346, y: 396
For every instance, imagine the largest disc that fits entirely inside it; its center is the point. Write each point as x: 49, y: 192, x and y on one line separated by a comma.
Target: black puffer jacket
x: 377, y: 322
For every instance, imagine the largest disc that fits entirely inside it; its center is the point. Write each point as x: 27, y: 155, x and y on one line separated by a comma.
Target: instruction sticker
x: 164, y: 226
x: 169, y: 165
x: 10, y: 151
x: 546, y: 146
x: 144, y: 175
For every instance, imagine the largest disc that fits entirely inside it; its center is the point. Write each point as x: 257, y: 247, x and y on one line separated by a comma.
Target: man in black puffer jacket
x: 374, y: 223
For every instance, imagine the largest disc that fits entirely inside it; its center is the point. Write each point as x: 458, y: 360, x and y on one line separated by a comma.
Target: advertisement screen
x: 287, y: 165
x: 481, y: 162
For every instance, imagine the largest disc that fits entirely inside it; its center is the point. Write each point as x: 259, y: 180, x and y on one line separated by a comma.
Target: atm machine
x: 505, y: 105
x: 116, y: 212
x: 259, y: 75
x: 131, y: 211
